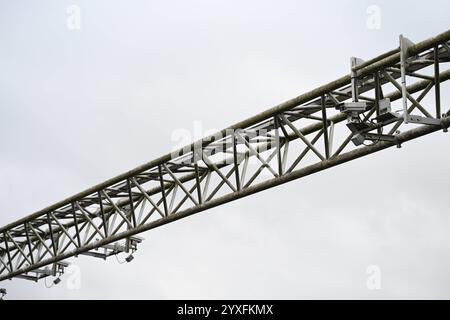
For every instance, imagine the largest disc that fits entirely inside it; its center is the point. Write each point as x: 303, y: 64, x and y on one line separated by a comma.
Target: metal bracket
x: 354, y: 62
x: 405, y: 43
x: 359, y: 138
x: 111, y: 249
x: 36, y: 274
x: 424, y: 120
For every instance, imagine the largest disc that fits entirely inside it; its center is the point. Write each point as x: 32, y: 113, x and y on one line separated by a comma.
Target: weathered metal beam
x: 260, y: 137
x: 325, y: 127
x: 311, y: 169
x: 413, y: 88
x: 383, y: 61
x: 437, y: 82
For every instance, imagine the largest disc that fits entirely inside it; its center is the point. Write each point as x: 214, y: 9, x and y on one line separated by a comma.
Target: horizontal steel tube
x: 376, y: 59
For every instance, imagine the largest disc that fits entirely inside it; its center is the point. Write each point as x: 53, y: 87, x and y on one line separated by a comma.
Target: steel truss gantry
x: 343, y: 120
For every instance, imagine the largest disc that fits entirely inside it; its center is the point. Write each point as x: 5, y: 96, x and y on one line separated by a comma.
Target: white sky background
x: 80, y: 106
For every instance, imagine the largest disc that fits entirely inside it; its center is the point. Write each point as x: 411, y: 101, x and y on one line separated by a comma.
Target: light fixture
x: 3, y: 293
x: 56, y: 281
x: 129, y: 258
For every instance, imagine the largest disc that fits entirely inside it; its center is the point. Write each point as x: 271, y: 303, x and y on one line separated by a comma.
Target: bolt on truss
x: 343, y: 120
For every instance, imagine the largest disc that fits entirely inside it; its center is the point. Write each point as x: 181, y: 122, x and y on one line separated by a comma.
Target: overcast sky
x: 80, y: 106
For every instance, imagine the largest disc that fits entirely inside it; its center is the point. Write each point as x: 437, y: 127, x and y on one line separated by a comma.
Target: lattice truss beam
x: 338, y: 122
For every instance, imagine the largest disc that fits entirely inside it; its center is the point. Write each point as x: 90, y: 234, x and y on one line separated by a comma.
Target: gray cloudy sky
x: 80, y: 106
